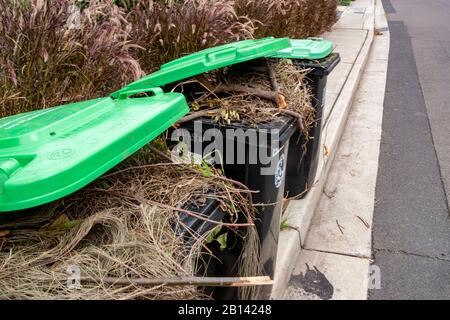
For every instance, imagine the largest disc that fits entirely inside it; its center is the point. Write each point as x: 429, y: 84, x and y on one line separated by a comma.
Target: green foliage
x: 221, y: 238
x: 205, y: 169
x: 284, y: 224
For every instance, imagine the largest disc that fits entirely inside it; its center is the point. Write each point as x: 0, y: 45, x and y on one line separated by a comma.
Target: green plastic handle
x: 3, y: 178
x: 7, y: 168
x: 222, y: 56
x: 315, y: 38
x: 127, y: 93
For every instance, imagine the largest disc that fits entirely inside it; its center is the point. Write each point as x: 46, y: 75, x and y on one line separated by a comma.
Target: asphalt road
x: 411, y: 231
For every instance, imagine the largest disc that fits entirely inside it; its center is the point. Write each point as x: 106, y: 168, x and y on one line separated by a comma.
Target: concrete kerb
x: 299, y: 213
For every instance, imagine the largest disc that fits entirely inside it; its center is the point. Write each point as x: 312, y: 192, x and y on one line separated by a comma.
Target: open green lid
x: 208, y: 60
x: 310, y: 49
x: 48, y: 154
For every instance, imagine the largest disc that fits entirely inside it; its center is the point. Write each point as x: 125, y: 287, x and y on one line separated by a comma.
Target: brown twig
x: 264, y: 94
x: 152, y: 165
x: 185, y: 281
x: 294, y: 114
x: 273, y: 78
x: 281, y: 100
x: 243, y: 186
x: 341, y: 228
x: 238, y: 88
x: 165, y: 206
x: 196, y: 115
x: 204, y: 83
x: 366, y: 224
x: 160, y: 153
x: 196, y: 215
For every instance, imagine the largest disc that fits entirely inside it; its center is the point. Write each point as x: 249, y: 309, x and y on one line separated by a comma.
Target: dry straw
x: 122, y: 227
x: 252, y: 93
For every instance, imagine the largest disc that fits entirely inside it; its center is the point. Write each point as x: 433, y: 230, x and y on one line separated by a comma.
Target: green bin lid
x: 208, y: 60
x: 310, y: 49
x: 48, y: 154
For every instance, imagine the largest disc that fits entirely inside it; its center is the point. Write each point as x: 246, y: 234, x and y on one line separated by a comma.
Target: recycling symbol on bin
x: 279, y: 172
x: 60, y: 154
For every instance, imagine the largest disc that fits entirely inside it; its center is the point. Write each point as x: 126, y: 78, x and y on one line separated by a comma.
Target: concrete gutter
x: 357, y: 20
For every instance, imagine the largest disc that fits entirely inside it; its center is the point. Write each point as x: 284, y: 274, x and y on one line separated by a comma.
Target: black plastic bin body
x: 222, y: 263
x: 302, y: 164
x: 268, y: 186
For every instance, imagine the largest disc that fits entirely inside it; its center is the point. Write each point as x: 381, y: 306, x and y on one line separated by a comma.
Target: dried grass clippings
x: 113, y: 228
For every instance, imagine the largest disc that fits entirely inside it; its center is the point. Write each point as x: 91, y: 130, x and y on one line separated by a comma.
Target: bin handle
x: 7, y: 168
x: 315, y: 38
x: 127, y: 93
x: 221, y: 56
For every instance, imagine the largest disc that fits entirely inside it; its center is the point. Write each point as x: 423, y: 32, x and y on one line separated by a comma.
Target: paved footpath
x: 336, y: 256
x: 352, y: 36
x: 411, y: 231
x: 327, y: 266
x: 384, y: 206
